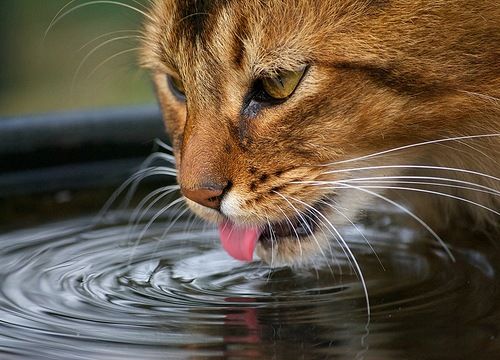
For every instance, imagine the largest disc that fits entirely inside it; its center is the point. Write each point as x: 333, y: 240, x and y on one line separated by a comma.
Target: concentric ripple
x: 75, y: 291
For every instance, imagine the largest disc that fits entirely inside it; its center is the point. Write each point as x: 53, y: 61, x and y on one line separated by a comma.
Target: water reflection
x: 70, y: 291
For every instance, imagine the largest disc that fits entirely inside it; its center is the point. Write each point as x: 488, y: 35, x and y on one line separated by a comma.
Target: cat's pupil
x: 283, y: 84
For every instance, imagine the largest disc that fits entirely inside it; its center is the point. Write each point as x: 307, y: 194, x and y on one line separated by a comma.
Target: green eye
x: 177, y: 86
x: 283, y: 84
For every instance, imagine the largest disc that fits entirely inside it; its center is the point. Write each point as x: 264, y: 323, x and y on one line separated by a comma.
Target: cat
x: 288, y: 118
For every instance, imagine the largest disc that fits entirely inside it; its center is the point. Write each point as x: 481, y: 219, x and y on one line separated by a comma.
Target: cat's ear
x: 283, y: 84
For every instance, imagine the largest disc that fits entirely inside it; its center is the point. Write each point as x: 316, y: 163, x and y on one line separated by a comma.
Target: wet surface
x: 70, y: 290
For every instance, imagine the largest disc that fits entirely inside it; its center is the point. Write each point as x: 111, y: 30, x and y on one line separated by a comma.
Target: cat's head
x: 266, y: 100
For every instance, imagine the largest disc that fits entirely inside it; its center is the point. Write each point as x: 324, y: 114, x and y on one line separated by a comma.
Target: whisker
x: 135, y: 178
x: 148, y: 172
x: 109, y: 34
x: 148, y: 225
x: 172, y: 223
x: 153, y: 219
x: 191, y: 15
x: 147, y: 162
x: 141, y: 4
x: 473, y: 186
x: 52, y: 22
x: 358, y: 268
x: 95, y: 49
x: 161, y: 192
x: 161, y: 156
x: 273, y: 240
x: 358, y: 230
x: 341, y: 182
x: 418, y: 219
x: 477, y: 150
x: 191, y: 220
x: 271, y: 233
x: 166, y: 157
x: 105, y: 61
x: 165, y: 146
x: 431, y: 192
x: 322, y: 225
x: 62, y: 14
x: 138, y: 215
x: 293, y: 229
x: 426, y: 167
x: 451, y: 186
x: 491, y: 98
x: 304, y: 222
x: 412, y: 146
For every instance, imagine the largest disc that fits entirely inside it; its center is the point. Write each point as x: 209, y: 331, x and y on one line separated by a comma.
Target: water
x: 73, y: 291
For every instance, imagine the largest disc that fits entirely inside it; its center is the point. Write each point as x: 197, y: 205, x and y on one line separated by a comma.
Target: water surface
x: 73, y: 291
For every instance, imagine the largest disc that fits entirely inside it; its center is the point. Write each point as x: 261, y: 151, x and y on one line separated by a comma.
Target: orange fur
x: 382, y: 74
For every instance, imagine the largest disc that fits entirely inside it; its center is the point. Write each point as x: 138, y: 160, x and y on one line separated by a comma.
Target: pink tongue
x: 238, y: 242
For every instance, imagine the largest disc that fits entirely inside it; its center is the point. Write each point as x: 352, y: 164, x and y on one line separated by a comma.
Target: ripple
x: 72, y: 291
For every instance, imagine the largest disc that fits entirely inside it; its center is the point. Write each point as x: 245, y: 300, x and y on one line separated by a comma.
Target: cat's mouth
x: 240, y: 242
x: 302, y: 226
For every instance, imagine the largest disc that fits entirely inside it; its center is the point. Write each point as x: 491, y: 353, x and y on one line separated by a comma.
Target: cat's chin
x: 293, y: 251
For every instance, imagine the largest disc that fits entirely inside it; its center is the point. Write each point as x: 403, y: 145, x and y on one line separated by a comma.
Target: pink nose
x: 209, y: 197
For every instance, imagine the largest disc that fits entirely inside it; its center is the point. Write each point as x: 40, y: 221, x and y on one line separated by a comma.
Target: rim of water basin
x: 45, y: 153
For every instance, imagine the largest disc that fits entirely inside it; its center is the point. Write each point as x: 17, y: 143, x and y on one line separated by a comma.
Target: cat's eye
x: 283, y: 84
x: 177, y: 86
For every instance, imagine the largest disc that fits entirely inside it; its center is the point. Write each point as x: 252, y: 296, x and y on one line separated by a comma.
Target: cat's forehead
x: 196, y: 19
x: 256, y: 34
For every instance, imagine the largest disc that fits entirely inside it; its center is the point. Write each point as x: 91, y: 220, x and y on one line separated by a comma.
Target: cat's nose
x: 207, y: 196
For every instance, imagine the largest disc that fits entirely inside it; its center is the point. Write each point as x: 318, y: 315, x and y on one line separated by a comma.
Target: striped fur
x: 382, y: 74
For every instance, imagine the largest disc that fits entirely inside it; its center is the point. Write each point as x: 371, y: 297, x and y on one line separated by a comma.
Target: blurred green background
x: 41, y: 75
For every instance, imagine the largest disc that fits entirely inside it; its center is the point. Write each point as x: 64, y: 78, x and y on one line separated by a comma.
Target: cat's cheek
x: 174, y: 111
x: 174, y: 124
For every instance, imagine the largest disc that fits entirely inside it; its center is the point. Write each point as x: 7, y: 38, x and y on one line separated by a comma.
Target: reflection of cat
x: 275, y: 109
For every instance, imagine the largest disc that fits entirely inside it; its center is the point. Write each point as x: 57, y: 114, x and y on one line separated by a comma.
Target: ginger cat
x: 289, y: 117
